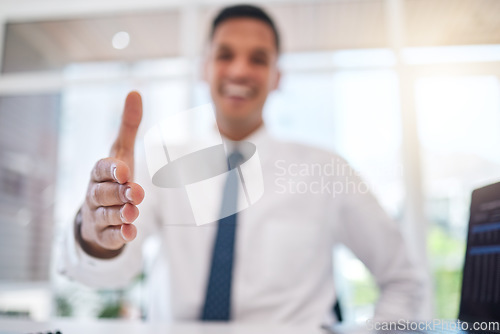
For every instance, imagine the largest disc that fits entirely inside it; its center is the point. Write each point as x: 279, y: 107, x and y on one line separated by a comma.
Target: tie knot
x: 234, y: 159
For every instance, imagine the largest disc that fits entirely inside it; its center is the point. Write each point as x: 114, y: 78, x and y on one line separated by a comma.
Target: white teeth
x: 234, y: 90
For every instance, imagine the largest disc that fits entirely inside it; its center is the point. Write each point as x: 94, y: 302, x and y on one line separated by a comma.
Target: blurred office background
x: 407, y: 90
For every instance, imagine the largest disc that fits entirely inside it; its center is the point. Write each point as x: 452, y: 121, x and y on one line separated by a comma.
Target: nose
x: 240, y: 68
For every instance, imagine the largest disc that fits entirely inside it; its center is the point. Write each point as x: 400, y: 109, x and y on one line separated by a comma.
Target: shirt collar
x: 257, y: 137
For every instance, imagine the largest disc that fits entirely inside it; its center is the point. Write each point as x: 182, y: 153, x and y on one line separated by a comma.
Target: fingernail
x: 114, y: 173
x: 128, y: 194
x: 121, y: 215
x: 123, y: 236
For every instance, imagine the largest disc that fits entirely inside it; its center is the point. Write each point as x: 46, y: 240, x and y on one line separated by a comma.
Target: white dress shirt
x: 283, y: 269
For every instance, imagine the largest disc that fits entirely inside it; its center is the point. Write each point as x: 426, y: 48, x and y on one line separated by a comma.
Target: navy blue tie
x: 217, y: 305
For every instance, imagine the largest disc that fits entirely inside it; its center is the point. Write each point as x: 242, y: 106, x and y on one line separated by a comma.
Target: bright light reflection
x: 121, y: 40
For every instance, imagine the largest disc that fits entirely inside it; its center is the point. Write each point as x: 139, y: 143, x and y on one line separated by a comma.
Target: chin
x: 235, y: 111
x: 236, y: 117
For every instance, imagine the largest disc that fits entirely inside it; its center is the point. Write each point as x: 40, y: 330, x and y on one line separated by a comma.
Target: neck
x: 238, y: 132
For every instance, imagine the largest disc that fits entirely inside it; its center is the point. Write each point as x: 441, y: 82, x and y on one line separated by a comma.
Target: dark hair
x: 245, y: 11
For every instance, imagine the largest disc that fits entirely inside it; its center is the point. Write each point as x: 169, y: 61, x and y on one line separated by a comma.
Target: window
x: 459, y: 131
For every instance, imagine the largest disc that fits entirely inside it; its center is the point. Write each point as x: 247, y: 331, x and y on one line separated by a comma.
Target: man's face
x: 241, y: 69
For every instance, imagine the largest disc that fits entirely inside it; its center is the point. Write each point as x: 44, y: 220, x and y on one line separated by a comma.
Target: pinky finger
x: 113, y: 238
x: 129, y: 232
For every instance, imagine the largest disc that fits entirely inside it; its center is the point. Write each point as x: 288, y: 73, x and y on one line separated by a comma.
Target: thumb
x: 123, y: 148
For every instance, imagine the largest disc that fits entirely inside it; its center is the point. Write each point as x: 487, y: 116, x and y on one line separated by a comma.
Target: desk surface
x: 133, y: 327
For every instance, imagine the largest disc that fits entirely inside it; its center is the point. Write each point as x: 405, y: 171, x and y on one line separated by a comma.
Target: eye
x: 224, y: 56
x: 259, y: 60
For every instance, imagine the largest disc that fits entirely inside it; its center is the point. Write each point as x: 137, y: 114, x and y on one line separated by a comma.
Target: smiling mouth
x: 237, y: 91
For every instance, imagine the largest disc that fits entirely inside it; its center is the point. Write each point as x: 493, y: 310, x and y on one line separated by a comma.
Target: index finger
x: 110, y: 169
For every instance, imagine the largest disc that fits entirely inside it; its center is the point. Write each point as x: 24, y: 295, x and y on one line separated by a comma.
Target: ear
x: 205, y: 63
x: 277, y: 79
x: 204, y: 71
x: 204, y: 67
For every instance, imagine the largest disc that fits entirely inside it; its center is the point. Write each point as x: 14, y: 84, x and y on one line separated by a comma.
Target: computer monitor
x: 480, y: 299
